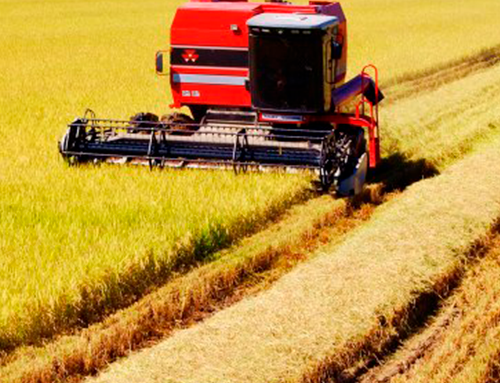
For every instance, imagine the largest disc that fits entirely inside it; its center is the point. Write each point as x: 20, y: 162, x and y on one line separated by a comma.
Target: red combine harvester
x: 265, y: 85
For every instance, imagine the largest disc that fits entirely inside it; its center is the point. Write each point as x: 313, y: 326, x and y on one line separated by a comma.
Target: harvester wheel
x: 350, y: 146
x: 67, y: 144
x: 180, y: 123
x: 341, y: 152
x: 328, y: 164
x: 143, y: 122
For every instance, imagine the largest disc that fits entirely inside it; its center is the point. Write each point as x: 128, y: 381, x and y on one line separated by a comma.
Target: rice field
x: 76, y: 244
x: 406, y: 37
x: 66, y: 262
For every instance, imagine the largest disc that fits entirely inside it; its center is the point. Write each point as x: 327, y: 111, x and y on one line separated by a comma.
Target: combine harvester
x: 265, y: 85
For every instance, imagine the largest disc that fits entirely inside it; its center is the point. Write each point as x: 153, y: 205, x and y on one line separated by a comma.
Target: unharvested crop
x: 66, y: 263
x: 441, y: 125
x: 407, y: 37
x: 77, y: 243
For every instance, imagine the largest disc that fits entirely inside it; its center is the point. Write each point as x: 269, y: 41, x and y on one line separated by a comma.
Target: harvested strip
x: 463, y: 345
x: 346, y: 304
x: 385, y: 372
x: 256, y: 263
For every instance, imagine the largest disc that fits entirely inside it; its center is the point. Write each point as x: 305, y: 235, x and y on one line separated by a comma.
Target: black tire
x: 351, y: 145
x: 143, y: 122
x: 180, y: 123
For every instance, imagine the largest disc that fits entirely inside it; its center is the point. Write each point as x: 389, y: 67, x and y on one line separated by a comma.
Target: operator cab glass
x: 291, y: 62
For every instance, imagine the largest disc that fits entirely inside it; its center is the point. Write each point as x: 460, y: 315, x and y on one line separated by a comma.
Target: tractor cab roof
x: 292, y: 21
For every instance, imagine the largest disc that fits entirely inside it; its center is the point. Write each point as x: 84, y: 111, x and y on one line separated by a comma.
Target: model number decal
x: 188, y: 93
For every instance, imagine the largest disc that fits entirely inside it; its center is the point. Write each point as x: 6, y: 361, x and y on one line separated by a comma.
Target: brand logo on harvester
x: 190, y: 56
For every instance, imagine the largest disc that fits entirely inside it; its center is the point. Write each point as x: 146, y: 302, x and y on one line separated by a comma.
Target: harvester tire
x: 180, y: 123
x: 143, y: 121
x: 66, y: 145
x: 351, y: 144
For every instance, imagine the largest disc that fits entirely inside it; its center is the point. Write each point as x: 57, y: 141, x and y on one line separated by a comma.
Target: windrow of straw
x: 345, y: 304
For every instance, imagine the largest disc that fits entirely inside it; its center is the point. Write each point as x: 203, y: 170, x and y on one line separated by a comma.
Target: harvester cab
x: 294, y: 62
x: 265, y: 86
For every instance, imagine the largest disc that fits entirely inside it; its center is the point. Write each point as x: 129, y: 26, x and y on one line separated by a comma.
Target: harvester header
x: 265, y: 87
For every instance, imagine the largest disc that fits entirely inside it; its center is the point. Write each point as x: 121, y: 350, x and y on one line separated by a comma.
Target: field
x: 107, y: 233
x: 462, y: 341
x: 77, y: 244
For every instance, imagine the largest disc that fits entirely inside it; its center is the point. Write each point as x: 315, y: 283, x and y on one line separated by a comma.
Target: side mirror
x: 336, y: 50
x: 159, y: 63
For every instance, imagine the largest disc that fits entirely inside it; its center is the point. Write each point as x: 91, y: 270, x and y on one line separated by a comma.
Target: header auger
x: 265, y: 85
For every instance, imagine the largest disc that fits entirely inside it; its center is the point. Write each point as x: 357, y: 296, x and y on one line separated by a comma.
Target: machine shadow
x: 394, y: 174
x: 397, y: 172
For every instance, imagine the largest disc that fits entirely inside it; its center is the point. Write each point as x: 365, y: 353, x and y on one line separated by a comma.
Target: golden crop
x: 72, y: 238
x: 104, y: 232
